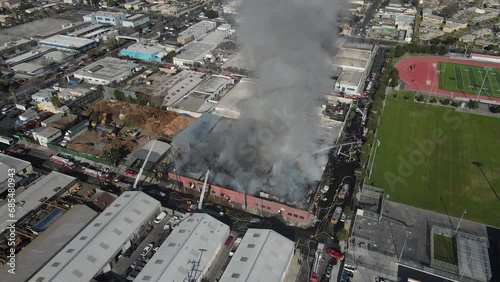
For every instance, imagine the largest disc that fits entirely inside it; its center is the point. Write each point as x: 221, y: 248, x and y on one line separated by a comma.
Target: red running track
x: 425, y: 78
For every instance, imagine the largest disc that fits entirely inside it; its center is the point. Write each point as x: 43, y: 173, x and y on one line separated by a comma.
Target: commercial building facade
x: 102, y: 17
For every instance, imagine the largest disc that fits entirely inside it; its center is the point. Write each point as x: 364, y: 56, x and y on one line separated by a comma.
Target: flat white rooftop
x: 350, y: 77
x: 87, y: 254
x: 198, y: 237
x: 66, y: 41
x: 42, y: 190
x: 212, y: 84
x: 181, y: 84
x: 144, y: 49
x: 229, y: 106
x: 107, y: 68
x: 195, y: 51
x: 7, y: 162
x: 263, y: 255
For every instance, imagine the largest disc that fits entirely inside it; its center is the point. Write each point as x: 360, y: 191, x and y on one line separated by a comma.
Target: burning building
x: 270, y: 159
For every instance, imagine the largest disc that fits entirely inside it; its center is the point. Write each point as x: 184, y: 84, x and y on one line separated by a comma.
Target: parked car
x: 132, y: 275
x: 146, y: 250
x: 130, y: 172
x: 160, y: 217
x: 228, y: 240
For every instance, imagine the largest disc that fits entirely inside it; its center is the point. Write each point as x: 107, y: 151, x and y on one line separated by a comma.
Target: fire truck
x: 62, y: 160
x: 97, y: 174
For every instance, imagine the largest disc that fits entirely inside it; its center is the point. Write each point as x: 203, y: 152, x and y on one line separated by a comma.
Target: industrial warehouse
x: 241, y: 191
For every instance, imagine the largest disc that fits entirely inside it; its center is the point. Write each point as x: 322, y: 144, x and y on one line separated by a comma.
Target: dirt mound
x: 151, y: 121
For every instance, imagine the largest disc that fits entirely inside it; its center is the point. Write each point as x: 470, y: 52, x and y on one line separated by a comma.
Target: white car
x: 146, y: 250
x: 174, y: 220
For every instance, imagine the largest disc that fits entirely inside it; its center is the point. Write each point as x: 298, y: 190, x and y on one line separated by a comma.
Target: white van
x: 160, y: 217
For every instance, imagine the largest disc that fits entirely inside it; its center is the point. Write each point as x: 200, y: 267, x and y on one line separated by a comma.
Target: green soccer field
x: 434, y: 158
x: 468, y: 79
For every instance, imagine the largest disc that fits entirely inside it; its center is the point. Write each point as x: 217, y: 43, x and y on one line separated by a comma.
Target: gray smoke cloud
x: 288, y: 43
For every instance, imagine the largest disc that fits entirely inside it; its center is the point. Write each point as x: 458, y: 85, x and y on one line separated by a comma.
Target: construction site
x: 113, y: 124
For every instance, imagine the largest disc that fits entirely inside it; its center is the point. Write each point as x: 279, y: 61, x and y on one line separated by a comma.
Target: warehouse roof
x: 91, y: 250
x: 7, y: 162
x: 44, y: 189
x: 197, y: 238
x: 195, y: 51
x: 159, y: 150
x: 212, y: 84
x: 350, y: 77
x: 87, y: 29
x: 66, y: 41
x: 263, y: 255
x: 216, y: 37
x: 145, y: 49
x: 107, y: 68
x: 181, y: 84
x: 29, y: 68
x: 229, y: 106
x: 49, y: 242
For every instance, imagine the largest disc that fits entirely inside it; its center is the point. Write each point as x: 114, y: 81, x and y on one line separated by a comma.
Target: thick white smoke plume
x: 287, y: 43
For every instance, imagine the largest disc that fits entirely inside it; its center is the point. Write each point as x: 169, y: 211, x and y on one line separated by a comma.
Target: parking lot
x: 155, y: 237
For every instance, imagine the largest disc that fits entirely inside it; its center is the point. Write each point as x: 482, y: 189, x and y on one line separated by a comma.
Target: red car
x: 335, y: 254
x: 228, y: 240
x: 130, y: 172
x: 17, y: 151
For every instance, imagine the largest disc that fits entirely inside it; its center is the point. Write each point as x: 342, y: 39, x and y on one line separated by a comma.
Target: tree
x: 342, y: 234
x: 442, y: 50
x: 433, y: 100
x: 92, y: 53
x: 394, y: 78
x: 419, y: 98
x: 211, y: 14
x: 446, y: 101
x: 473, y: 104
x: 112, y: 43
x: 450, y: 9
x: 119, y: 95
x: 55, y: 101
x: 110, y: 3
x: 115, y: 154
x: 495, y: 109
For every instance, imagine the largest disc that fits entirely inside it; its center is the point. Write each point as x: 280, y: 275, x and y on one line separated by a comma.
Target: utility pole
x: 458, y: 226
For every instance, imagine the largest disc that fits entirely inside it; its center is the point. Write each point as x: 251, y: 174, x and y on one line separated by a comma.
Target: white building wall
x: 491, y: 59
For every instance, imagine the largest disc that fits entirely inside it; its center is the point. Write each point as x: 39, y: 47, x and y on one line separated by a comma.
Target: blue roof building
x: 144, y: 52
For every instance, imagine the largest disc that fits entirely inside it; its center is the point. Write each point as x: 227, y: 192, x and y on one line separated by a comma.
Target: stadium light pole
x: 373, y: 161
x: 484, y: 80
x: 463, y: 214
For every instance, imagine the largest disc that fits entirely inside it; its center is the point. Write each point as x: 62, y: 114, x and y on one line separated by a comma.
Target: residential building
x: 107, y: 70
x: 196, y: 31
x: 150, y: 53
x: 483, y: 32
x: 467, y: 38
x: 135, y: 20
x: 43, y: 95
x: 103, y: 17
x: 29, y: 114
x: 96, y: 248
x: 433, y: 19
x: 19, y: 167
x: 263, y: 255
x: 485, y: 17
x: 49, y: 242
x: 454, y: 25
x: 45, y: 135
x: 68, y: 43
x: 199, y: 237
x: 134, y: 5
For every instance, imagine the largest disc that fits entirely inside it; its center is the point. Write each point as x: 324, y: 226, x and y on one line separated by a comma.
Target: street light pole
x: 463, y: 214
x: 373, y: 161
x: 484, y: 80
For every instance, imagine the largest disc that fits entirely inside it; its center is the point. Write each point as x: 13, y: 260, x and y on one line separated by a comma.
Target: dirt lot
x: 150, y: 122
